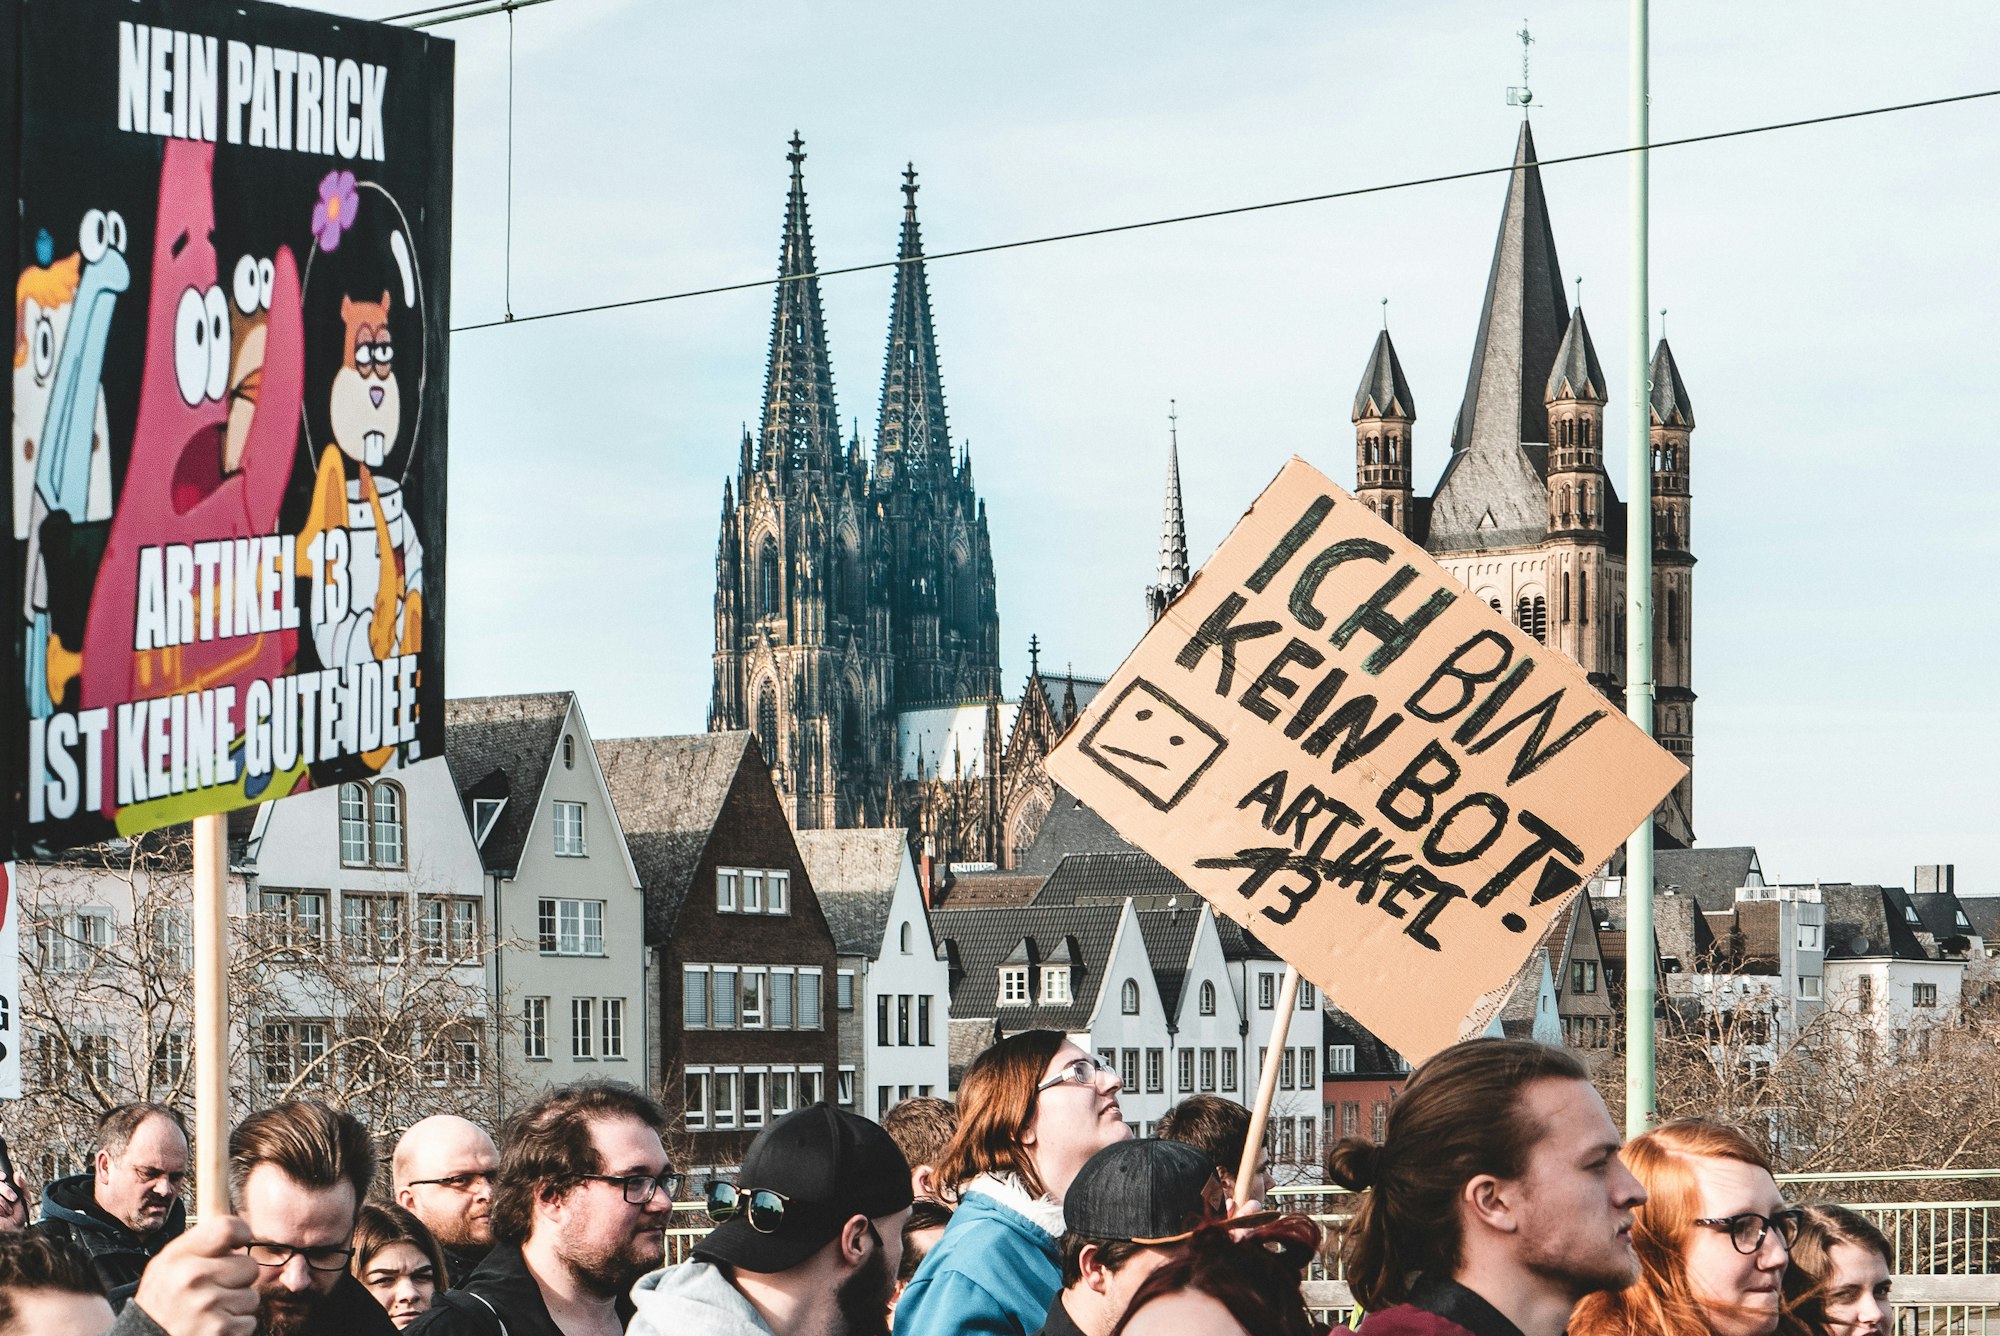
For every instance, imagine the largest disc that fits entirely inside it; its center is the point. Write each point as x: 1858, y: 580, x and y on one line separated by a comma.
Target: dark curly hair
x: 1253, y: 1272
x: 546, y: 1147
x: 32, y: 1260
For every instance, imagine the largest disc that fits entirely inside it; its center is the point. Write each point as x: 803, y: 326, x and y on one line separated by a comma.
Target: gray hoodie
x: 692, y: 1299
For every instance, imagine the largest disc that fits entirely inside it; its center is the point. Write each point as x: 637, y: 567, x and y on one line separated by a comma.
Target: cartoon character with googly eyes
x: 63, y: 326
x: 213, y: 445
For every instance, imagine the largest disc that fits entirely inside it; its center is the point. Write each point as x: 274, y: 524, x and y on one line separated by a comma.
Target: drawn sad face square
x: 1151, y: 743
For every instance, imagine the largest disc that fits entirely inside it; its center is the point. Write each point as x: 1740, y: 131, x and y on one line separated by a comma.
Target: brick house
x: 743, y: 963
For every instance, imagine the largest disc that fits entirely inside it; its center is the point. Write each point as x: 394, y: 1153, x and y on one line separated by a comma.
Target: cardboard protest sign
x: 1364, y: 765
x: 231, y: 231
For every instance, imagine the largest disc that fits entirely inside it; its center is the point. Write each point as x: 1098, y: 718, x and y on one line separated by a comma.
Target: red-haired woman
x: 1839, y: 1281
x: 1031, y: 1109
x: 1229, y: 1282
x: 1713, y: 1241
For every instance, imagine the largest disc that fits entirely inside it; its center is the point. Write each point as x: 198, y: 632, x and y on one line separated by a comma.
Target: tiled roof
x: 669, y: 793
x: 1671, y: 405
x: 854, y: 874
x: 1711, y: 876
x: 501, y: 747
x: 1984, y: 911
x: 1169, y: 935
x: 1071, y: 828
x: 973, y: 890
x: 1576, y: 374
x: 1941, y: 912
x: 1864, y: 922
x: 1524, y: 995
x: 981, y: 939
x: 1372, y: 1057
x: 1384, y: 393
x: 1110, y: 878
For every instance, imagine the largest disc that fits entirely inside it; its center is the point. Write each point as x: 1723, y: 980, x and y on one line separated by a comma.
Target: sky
x: 1830, y: 296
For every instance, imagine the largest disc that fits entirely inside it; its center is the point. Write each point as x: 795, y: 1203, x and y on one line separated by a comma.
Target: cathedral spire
x: 800, y: 427
x: 912, y: 438
x: 1173, y: 528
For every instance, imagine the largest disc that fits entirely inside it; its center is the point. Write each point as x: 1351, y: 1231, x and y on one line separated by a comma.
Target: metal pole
x: 1639, y: 979
x: 211, y: 1017
x: 1267, y: 1082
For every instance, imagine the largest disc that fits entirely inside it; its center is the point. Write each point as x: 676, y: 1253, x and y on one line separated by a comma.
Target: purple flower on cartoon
x: 334, y: 214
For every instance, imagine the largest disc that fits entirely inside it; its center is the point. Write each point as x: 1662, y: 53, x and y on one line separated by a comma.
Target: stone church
x: 855, y: 620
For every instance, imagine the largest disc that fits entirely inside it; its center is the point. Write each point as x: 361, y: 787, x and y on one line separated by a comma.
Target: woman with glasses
x: 1031, y: 1109
x: 1838, y: 1283
x: 1713, y: 1241
x: 398, y: 1261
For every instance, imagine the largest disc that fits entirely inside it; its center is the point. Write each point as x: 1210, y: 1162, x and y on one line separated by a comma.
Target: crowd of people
x: 1500, y: 1202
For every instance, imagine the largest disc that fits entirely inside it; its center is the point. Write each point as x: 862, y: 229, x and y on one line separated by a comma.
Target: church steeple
x: 912, y: 439
x: 800, y: 428
x: 1578, y: 488
x: 1173, y: 529
x: 1384, y: 410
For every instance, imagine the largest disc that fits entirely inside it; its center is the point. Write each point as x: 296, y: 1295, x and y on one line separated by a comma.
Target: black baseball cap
x: 1139, y: 1191
x: 829, y: 1166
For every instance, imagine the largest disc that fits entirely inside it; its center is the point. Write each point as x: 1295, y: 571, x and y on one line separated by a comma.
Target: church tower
x: 800, y: 656
x: 1173, y: 531
x: 1673, y: 579
x: 1383, y: 413
x: 1579, y: 498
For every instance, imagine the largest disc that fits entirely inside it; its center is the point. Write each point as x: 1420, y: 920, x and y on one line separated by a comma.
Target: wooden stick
x: 211, y: 1016
x: 1267, y: 1083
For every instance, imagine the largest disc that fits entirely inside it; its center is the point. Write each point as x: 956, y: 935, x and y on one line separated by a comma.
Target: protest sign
x: 1370, y: 769
x: 231, y: 241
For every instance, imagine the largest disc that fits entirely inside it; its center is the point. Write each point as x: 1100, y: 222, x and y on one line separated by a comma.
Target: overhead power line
x: 433, y: 15
x: 1233, y: 211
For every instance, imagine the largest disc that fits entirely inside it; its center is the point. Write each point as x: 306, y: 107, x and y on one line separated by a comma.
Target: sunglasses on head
x: 761, y: 1208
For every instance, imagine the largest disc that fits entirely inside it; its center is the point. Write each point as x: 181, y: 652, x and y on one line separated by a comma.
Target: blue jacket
x: 994, y: 1273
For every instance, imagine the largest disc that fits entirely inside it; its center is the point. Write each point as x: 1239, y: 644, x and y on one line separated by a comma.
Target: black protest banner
x: 1358, y: 761
x: 231, y: 242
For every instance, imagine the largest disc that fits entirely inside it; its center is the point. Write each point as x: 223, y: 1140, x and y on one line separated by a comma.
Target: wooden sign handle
x: 1267, y: 1084
x: 211, y: 1016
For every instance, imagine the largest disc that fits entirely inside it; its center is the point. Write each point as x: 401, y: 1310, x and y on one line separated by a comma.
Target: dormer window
x: 1014, y: 986
x: 1055, y: 986
x: 485, y: 815
x: 1909, y: 914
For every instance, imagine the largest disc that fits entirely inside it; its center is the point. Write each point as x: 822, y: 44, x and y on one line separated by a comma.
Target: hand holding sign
x: 1341, y: 749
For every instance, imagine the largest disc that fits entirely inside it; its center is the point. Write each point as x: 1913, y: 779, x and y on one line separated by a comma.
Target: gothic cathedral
x: 848, y: 589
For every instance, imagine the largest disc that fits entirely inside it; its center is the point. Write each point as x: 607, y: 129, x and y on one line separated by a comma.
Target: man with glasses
x: 129, y: 1206
x: 444, y: 1167
x: 297, y: 1176
x: 808, y: 1239
x: 584, y: 1195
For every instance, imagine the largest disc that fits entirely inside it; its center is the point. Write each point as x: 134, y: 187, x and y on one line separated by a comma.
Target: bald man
x: 444, y: 1167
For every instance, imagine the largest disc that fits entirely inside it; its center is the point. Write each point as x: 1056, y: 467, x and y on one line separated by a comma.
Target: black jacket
x: 500, y: 1287
x: 1059, y: 1322
x: 350, y: 1310
x: 459, y: 1264
x: 70, y: 1211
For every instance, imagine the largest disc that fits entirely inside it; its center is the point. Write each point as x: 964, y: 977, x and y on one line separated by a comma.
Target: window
x: 722, y: 1100
x: 613, y: 1034
x: 881, y: 1100
x: 1228, y: 1069
x: 292, y: 1052
x: 1583, y: 976
x: 1306, y: 1056
x: 844, y: 1087
x: 292, y: 918
x: 1208, y: 1069
x: 569, y: 752
x: 843, y: 991
x: 694, y: 997
x: 371, y: 824
x: 1923, y: 994
x: 753, y: 1001
x: 903, y: 1019
x: 904, y: 933
x: 535, y: 1028
x: 1128, y: 1069
x: 569, y: 830
x: 454, y: 1058
x: 722, y: 1014
x: 1186, y: 1070
x: 1128, y: 998
x: 371, y: 926
x: 1287, y: 1071
x: 767, y: 724
x: 388, y: 804
x: 812, y: 1085
x: 1055, y: 986
x: 923, y: 1020
x: 1867, y: 992
x: 1378, y: 1121
x: 1809, y: 936
x: 485, y: 813
x: 170, y: 1061
x: 1308, y: 996
x: 811, y: 991
x: 1267, y: 990
x: 1307, y: 1131
x: 1014, y: 985
x: 777, y: 891
x: 1339, y: 1059
x: 571, y: 927
x: 448, y: 927
x: 695, y: 1099
x: 1531, y: 614
x: 783, y: 986
x: 781, y: 1093
x: 71, y: 942
x: 727, y: 880
x: 882, y: 1020
x: 1809, y: 987
x: 97, y: 1056
x: 354, y: 825
x: 1350, y: 1119
x: 173, y: 940
x: 581, y: 1010
x: 1208, y: 999
x: 753, y: 1099
x: 1155, y: 1071
x: 753, y: 891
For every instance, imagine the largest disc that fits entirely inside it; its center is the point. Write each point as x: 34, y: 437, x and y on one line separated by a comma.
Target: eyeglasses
x: 466, y: 1182
x: 1749, y: 1230
x: 761, y: 1207
x: 1084, y: 1072
x: 639, y: 1188
x: 317, y: 1259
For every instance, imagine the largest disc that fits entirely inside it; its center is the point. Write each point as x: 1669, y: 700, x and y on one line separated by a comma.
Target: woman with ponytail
x: 1228, y: 1281
x: 1495, y: 1201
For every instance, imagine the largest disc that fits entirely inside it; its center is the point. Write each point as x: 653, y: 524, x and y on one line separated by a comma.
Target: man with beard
x: 584, y: 1194
x: 297, y: 1176
x: 129, y: 1206
x: 809, y: 1239
x: 444, y: 1167
x: 1499, y: 1199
